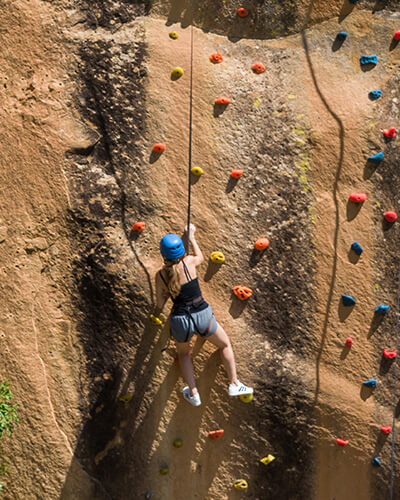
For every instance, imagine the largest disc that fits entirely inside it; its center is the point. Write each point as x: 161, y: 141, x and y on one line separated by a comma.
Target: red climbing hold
x: 242, y: 12
x: 342, y: 442
x: 391, y: 216
x: 139, y: 227
x: 216, y: 58
x: 261, y: 244
x: 358, y: 197
x: 389, y: 354
x: 390, y: 134
x: 258, y: 68
x: 396, y: 36
x: 386, y: 430
x: 215, y: 435
x: 349, y: 342
x: 223, y: 101
x: 242, y: 292
x: 159, y: 148
x: 237, y: 174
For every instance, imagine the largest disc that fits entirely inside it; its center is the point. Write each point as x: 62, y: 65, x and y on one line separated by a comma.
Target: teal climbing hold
x: 375, y: 94
x: 368, y: 60
x: 370, y: 383
x: 342, y: 35
x: 376, y: 462
x: 348, y: 301
x: 376, y: 158
x: 357, y: 248
x: 382, y: 309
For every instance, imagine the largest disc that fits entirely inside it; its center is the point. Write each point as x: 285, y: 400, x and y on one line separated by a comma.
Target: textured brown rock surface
x: 86, y: 92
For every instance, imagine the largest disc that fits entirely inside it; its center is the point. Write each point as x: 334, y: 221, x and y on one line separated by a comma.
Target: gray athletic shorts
x: 182, y: 327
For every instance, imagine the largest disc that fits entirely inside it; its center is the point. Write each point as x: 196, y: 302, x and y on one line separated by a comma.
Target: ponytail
x: 173, y: 279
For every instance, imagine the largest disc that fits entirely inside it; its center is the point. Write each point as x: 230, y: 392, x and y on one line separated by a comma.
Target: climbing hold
x: 240, y: 484
x: 375, y: 94
x: 391, y: 216
x: 390, y: 134
x: 349, y: 342
x: 342, y: 35
x: 237, y: 174
x: 216, y: 58
x: 386, y: 430
x: 126, y: 398
x: 222, y: 101
x: 376, y: 462
x: 357, y: 197
x: 159, y: 148
x: 176, y: 72
x: 357, y: 248
x: 353, y: 1
x: 382, y: 309
x: 376, y: 158
x: 242, y: 292
x: 261, y: 244
x: 156, y: 321
x: 174, y: 35
x: 147, y: 495
x: 246, y: 398
x: 396, y: 36
x: 389, y: 354
x: 368, y: 60
x: 138, y: 227
x: 370, y: 383
x: 217, y: 257
x: 268, y: 459
x: 242, y: 12
x: 215, y: 435
x: 342, y: 442
x: 164, y: 471
x: 258, y: 68
x: 197, y: 171
x: 178, y: 443
x: 348, y: 301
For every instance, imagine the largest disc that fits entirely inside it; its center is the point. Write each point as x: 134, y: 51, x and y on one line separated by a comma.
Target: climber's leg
x: 221, y: 340
x: 186, y: 365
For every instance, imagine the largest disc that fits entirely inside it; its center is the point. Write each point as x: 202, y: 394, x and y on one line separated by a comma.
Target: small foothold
x: 390, y: 134
x: 268, y: 459
x: 242, y: 12
x: 396, y: 36
x: 242, y: 292
x: 237, y: 174
x: 176, y: 72
x: 147, y: 496
x: 261, y: 244
x: 164, y: 471
x: 138, y: 227
x: 217, y: 257
x: 126, y: 398
x: 357, y: 197
x: 357, y: 248
x: 178, y: 443
x: 258, y: 68
x: 222, y: 101
x: 246, y: 398
x: 342, y: 35
x: 389, y: 354
x: 159, y: 148
x: 348, y: 301
x: 369, y: 60
x: 342, y: 442
x: 370, y: 383
x: 349, y: 342
x: 386, y: 430
x: 376, y: 158
x: 156, y: 321
x: 215, y: 435
x: 197, y: 171
x: 216, y: 58
x: 240, y: 484
x: 174, y: 35
x: 390, y: 216
x: 376, y: 462
x: 382, y: 309
x: 375, y: 94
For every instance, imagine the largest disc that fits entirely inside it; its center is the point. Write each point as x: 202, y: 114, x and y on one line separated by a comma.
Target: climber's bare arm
x: 161, y: 293
x: 198, y: 258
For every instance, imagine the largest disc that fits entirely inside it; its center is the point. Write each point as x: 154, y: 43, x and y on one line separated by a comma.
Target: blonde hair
x: 171, y: 273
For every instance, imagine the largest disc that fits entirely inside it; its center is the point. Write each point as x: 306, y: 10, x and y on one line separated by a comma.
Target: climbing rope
x: 190, y: 129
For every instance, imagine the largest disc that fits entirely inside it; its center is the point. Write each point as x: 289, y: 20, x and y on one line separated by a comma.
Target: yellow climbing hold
x: 197, y: 171
x: 217, y: 257
x: 174, y: 35
x: 268, y: 459
x: 164, y: 471
x: 246, y: 398
x: 126, y: 398
x: 156, y: 321
x: 240, y: 484
x: 178, y: 443
x: 177, y: 73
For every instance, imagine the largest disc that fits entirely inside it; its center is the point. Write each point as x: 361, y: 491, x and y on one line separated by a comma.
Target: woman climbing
x: 190, y: 313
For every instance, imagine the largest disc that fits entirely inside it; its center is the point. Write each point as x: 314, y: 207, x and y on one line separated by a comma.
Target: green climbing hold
x: 178, y: 443
x: 164, y: 471
x: 174, y: 35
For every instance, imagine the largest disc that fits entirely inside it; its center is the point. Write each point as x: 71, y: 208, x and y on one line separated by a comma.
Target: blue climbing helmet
x: 172, y: 247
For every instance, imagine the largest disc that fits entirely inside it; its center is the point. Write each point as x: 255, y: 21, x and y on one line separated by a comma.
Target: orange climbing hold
x: 222, y: 101
x: 389, y: 354
x: 237, y: 174
x: 258, y: 68
x: 386, y: 430
x: 357, y: 197
x: 216, y: 58
x: 242, y: 292
x: 159, y: 148
x: 242, y: 12
x: 390, y: 134
x: 261, y: 244
x: 396, y: 36
x: 342, y: 442
x: 138, y: 227
x: 215, y: 435
x: 391, y: 216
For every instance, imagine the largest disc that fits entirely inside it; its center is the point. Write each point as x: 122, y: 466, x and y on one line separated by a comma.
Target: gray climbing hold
x: 376, y: 158
x: 382, y: 309
x: 357, y: 248
x: 348, y: 301
x: 375, y: 94
x: 370, y: 383
x: 368, y: 60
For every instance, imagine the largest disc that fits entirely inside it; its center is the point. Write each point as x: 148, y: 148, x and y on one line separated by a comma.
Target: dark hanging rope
x: 190, y: 130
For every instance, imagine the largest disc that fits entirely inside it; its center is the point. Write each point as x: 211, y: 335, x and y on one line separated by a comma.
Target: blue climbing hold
x: 382, y: 309
x: 353, y: 1
x: 370, y: 383
x: 376, y: 158
x: 342, y: 35
x: 348, y: 301
x: 376, y: 462
x: 368, y: 60
x: 375, y: 94
x: 357, y: 248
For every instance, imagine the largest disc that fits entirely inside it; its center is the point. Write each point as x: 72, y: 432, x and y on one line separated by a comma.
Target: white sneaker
x: 239, y: 390
x: 193, y: 400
